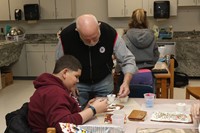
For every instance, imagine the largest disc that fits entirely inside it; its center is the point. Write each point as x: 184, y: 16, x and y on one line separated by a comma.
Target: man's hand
x: 124, y: 90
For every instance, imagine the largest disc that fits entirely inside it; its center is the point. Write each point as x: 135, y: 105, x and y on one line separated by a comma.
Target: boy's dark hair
x: 67, y: 61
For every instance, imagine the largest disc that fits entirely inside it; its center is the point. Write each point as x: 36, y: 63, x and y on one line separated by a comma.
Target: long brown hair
x: 138, y: 19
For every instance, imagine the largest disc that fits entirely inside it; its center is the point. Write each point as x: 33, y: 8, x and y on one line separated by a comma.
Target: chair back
x: 17, y: 121
x: 138, y: 90
x: 144, y: 77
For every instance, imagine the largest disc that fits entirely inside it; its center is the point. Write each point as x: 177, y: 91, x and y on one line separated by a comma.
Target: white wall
x: 188, y: 19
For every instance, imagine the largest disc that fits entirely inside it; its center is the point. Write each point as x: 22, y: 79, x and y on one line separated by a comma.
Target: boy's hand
x: 100, y: 105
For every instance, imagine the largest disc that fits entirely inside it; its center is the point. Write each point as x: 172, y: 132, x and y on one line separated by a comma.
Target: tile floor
x: 13, y: 96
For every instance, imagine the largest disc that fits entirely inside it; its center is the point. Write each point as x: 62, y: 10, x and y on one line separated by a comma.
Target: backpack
x: 17, y: 121
x: 180, y: 79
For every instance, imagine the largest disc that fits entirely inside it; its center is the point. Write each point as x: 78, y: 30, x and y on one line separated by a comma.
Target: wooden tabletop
x: 194, y: 91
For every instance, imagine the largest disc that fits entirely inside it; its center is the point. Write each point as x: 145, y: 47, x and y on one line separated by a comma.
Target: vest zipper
x: 90, y: 64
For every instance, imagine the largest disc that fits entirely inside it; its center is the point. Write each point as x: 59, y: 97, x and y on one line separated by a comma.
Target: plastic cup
x: 111, y: 98
x: 118, y: 118
x: 149, y: 99
x: 180, y: 107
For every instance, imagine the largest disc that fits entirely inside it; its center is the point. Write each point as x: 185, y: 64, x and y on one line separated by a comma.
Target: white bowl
x: 124, y: 99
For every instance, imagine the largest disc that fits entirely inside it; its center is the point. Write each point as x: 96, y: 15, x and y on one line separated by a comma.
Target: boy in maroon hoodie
x: 53, y: 102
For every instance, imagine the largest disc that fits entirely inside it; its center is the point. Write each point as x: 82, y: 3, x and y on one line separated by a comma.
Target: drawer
x: 34, y: 47
x: 50, y: 47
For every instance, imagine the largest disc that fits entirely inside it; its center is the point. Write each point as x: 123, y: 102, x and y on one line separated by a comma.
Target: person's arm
x: 195, y: 110
x: 93, y: 107
x: 156, y: 52
x: 59, y: 50
x: 126, y: 61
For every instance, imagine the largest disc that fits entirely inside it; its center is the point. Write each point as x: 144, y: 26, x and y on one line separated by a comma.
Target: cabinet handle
x: 46, y: 58
x: 151, y: 11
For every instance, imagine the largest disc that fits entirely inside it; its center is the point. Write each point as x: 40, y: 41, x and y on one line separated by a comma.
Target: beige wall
x: 188, y: 19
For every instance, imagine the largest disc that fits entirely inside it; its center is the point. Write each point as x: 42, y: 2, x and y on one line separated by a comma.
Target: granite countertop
x: 10, y: 52
x: 183, y: 36
x: 179, y: 39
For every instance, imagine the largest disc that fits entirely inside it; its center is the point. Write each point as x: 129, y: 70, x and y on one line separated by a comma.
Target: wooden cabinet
x: 148, y: 5
x: 5, y: 13
x: 57, y: 9
x: 188, y: 2
x: 40, y: 58
x: 122, y: 8
x: 19, y: 4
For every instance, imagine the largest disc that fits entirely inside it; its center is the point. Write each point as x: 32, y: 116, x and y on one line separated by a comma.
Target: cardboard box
x: 6, y: 78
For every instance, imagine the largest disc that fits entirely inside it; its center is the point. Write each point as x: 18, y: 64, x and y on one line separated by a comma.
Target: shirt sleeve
x: 125, y: 59
x: 59, y: 50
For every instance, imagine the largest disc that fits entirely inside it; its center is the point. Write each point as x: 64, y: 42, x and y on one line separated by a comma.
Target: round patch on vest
x: 102, y: 50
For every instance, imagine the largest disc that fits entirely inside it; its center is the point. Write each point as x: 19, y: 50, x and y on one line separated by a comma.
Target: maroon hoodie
x: 50, y: 104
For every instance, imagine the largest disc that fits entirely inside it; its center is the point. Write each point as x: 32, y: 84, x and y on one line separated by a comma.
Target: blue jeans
x: 100, y: 89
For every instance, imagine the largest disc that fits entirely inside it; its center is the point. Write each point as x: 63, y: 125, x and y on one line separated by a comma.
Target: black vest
x: 96, y: 61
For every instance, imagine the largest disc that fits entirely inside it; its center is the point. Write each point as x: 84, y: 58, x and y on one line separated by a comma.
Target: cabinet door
x: 116, y: 8
x: 35, y: 59
x: 50, y: 58
x: 173, y: 7
x: 35, y: 63
x: 5, y: 13
x: 148, y: 7
x: 198, y: 2
x: 131, y: 5
x: 187, y: 2
x: 47, y: 11
x: 65, y: 9
x: 50, y: 61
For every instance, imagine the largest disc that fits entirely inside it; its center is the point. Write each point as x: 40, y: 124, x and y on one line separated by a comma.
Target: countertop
x: 10, y: 52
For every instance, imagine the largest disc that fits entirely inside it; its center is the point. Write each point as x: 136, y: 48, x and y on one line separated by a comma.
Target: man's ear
x: 99, y: 24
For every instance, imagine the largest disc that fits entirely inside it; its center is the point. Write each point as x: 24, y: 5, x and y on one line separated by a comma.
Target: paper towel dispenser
x: 161, y: 9
x: 31, y: 12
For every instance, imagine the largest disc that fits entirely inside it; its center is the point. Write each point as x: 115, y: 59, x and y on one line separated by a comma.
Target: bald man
x: 93, y: 43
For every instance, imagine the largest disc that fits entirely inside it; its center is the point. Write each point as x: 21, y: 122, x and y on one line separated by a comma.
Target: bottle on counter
x: 171, y: 31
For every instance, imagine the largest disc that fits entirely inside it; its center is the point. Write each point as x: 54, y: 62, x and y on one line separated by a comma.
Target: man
x: 93, y: 43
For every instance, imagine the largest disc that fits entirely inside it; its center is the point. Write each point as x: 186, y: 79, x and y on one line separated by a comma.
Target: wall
x: 188, y: 19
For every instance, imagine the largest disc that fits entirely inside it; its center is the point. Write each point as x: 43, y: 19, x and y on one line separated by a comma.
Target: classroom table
x: 166, y: 105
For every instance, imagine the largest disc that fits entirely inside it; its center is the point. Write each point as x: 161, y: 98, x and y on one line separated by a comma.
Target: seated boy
x: 53, y: 102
